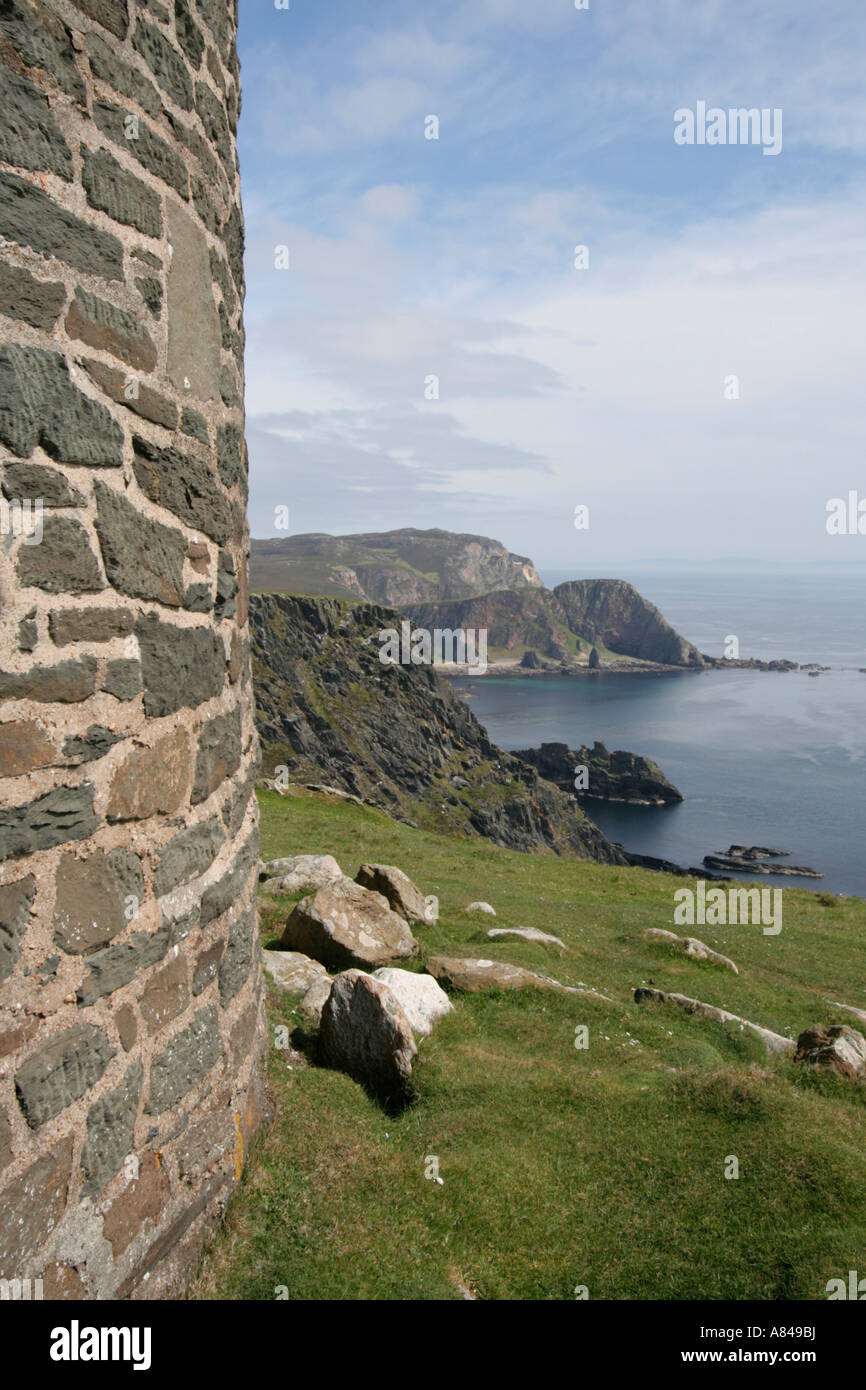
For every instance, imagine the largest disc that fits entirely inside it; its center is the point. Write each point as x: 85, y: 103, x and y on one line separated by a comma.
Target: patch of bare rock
x: 527, y: 934
x: 774, y: 1042
x: 468, y: 975
x: 835, y: 1048
x: 345, y: 925
x: 481, y: 907
x: 303, y: 873
x: 690, y: 946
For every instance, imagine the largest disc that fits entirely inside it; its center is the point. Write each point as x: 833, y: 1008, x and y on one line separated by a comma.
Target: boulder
x: 837, y: 1048
x: 422, y: 1000
x: 293, y: 971
x: 345, y: 925
x: 397, y: 887
x: 480, y: 907
x: 527, y: 934
x: 303, y: 873
x: 468, y: 975
x: 315, y: 999
x: 774, y: 1042
x: 365, y: 1033
x: 690, y: 946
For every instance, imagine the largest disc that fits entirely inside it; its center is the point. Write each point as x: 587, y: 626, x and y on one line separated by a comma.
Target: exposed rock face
x: 515, y: 620
x: 365, y: 1032
x: 690, y: 946
x: 396, y: 736
x: 345, y: 925
x: 837, y: 1048
x: 390, y: 567
x: 774, y: 1042
x: 397, y: 887
x: 613, y: 613
x: 617, y: 776
x: 128, y: 755
x: 302, y: 873
x: 422, y: 1000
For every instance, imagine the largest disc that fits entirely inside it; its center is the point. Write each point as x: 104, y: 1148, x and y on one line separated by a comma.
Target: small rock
x: 471, y: 976
x: 774, y: 1042
x: 481, y: 907
x: 345, y: 925
x: 528, y: 934
x: 303, y: 873
x: 365, y: 1032
x: 315, y: 999
x: 423, y: 1001
x: 292, y: 971
x: 690, y: 946
x: 837, y: 1048
x: 397, y: 887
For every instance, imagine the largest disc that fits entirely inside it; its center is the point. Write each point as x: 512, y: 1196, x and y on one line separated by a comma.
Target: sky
x: 426, y: 348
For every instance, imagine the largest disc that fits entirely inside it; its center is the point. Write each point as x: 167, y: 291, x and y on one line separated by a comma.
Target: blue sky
x: 454, y: 258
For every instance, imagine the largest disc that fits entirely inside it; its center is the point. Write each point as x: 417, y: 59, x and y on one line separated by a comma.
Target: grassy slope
x: 563, y: 1167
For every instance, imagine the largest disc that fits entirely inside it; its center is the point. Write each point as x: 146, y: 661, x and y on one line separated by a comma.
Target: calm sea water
x: 761, y: 757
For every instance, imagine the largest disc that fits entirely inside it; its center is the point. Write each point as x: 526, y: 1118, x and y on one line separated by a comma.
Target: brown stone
x: 152, y: 781
x: 66, y: 683
x: 207, y: 965
x: 14, y: 1038
x: 236, y: 656
x: 166, y: 995
x: 89, y: 624
x: 141, y: 399
x: 204, y: 1144
x: 198, y: 554
x: 344, y: 925
x: 243, y: 1034
x: 193, y: 326
x: 31, y: 1208
x: 143, y: 1199
x: 62, y: 1282
x: 23, y: 747
x: 127, y: 1027
x: 5, y: 1141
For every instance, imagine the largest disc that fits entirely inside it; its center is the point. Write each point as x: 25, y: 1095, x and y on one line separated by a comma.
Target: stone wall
x: 131, y: 1026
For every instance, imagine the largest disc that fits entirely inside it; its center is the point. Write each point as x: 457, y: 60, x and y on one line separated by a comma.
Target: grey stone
x: 150, y: 290
x: 62, y: 562
x: 22, y: 296
x: 5, y: 1141
x: 221, y: 275
x: 398, y: 888
x: 219, y: 753
x: 150, y: 151
x: 92, y: 898
x: 233, y: 237
x: 186, y: 1061
x: 187, y: 855
x: 64, y: 814
x: 195, y: 425
x: 182, y: 485
x: 143, y: 400
x: 165, y: 63
x: 293, y: 971
x: 28, y: 635
x: 114, y: 967
x: 29, y: 135
x: 207, y: 966
x: 142, y: 557
x: 94, y: 744
x: 89, y: 624
x: 43, y: 42
x: 216, y: 126
x: 193, y: 332
x: 110, y: 1126
x: 181, y: 667
x: 220, y: 896
x: 365, y: 1032
x: 130, y: 82
x: 111, y: 14
x: 37, y: 480
x: 61, y: 1071
x: 103, y: 325
x: 29, y: 217
x: 112, y: 189
x: 229, y: 386
x: 66, y: 683
x: 189, y: 36
x: 238, y: 957
x: 301, y: 873
x: 39, y: 405
x: 198, y: 598
x: 16, y: 900
x: 215, y: 15
x: 123, y: 678
x: 230, y: 455
x: 226, y: 588
x: 315, y: 999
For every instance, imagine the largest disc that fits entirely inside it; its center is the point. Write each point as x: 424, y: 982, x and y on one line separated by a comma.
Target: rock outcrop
x: 692, y: 947
x: 612, y: 613
x: 774, y: 1042
x: 330, y: 712
x: 617, y: 776
x: 836, y: 1048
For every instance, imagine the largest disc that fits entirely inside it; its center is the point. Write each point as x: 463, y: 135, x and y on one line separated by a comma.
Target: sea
x: 761, y: 757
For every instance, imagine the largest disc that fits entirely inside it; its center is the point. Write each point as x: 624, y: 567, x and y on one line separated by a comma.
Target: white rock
x: 527, y: 934
x: 303, y: 873
x: 292, y: 970
x: 481, y: 907
x: 422, y: 999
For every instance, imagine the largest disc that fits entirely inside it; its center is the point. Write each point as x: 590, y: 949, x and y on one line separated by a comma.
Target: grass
x: 561, y: 1167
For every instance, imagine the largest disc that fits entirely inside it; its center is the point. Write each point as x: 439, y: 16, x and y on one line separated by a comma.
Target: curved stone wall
x: 131, y: 1027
